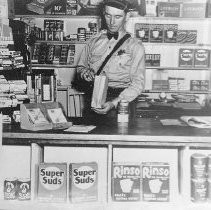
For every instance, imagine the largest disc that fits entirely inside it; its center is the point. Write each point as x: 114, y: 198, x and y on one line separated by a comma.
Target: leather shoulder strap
x: 118, y: 44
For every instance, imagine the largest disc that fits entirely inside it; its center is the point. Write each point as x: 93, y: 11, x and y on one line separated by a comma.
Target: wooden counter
x: 141, y: 132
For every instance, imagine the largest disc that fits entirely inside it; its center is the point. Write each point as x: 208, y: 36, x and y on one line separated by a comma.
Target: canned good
x: 10, y: 188
x: 209, y: 189
x: 123, y: 111
x: 24, y: 189
x: 198, y: 166
x: 199, y: 190
x: 209, y: 167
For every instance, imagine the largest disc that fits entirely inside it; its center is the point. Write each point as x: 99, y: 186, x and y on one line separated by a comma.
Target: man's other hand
x: 87, y: 75
x: 105, y: 108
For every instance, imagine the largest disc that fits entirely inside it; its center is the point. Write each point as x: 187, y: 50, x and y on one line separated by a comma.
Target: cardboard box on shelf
x: 168, y: 9
x: 194, y: 10
x: 52, y: 182
x: 155, y: 181
x: 156, y: 33
x: 201, y: 58
x: 186, y: 57
x: 83, y: 182
x: 142, y: 31
x: 170, y: 33
x: 126, y: 182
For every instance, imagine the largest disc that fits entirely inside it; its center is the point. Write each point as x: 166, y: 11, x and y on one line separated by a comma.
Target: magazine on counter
x: 197, y: 121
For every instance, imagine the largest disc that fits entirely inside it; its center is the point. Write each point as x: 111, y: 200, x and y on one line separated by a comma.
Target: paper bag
x: 99, y: 91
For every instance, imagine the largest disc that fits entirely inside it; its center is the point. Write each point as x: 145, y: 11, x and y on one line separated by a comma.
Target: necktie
x: 115, y: 35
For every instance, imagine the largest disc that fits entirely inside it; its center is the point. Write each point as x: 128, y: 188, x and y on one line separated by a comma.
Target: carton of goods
x: 100, y: 91
x: 83, y: 182
x: 170, y: 33
x: 201, y: 58
x: 126, y: 182
x: 194, y: 10
x: 142, y: 31
x: 168, y: 9
x: 156, y: 33
x: 155, y: 181
x: 52, y: 182
x: 186, y: 57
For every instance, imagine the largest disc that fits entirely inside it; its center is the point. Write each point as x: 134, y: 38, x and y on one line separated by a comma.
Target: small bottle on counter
x: 123, y: 111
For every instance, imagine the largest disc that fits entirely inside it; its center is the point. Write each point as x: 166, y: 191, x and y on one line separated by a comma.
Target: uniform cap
x: 119, y: 4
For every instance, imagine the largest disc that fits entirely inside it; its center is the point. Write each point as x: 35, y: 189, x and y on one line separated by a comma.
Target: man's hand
x: 105, y: 108
x: 88, y: 75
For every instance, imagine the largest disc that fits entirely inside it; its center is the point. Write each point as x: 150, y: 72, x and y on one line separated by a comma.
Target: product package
x: 155, y: 181
x: 83, y: 182
x: 52, y: 182
x: 100, y: 91
x: 186, y: 57
x: 126, y: 182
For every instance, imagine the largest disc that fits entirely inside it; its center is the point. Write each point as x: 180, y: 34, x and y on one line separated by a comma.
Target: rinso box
x: 52, y: 185
x: 126, y: 182
x: 155, y: 181
x: 83, y: 182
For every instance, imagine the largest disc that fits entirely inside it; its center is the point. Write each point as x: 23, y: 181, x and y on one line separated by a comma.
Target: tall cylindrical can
x: 24, y: 189
x: 10, y: 188
x: 199, y: 166
x: 199, y: 190
x: 123, y: 111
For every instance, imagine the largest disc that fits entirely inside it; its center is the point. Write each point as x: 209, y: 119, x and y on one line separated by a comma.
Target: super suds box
x: 52, y: 184
x: 126, y: 182
x: 83, y: 182
x: 155, y: 181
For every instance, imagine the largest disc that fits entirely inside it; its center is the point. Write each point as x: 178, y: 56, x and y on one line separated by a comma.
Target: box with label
x: 170, y: 33
x: 52, y: 182
x: 156, y: 33
x: 168, y: 9
x: 155, y: 181
x: 186, y: 57
x: 142, y: 31
x: 187, y: 36
x: 194, y: 10
x: 152, y: 59
x: 208, y: 8
x: 126, y: 182
x: 151, y: 7
x: 90, y: 7
x: 83, y: 182
x: 201, y: 58
x: 204, y: 85
x: 160, y: 84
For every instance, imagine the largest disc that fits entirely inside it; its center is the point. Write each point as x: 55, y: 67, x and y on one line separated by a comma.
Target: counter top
x: 142, y: 131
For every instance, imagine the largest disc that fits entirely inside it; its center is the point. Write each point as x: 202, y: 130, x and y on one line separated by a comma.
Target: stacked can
x: 17, y: 189
x: 199, y: 163
x: 209, y: 178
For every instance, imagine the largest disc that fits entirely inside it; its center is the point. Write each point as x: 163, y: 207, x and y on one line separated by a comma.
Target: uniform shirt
x: 126, y: 67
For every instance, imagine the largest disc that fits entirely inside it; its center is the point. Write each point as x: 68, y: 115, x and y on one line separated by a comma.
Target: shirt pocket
x: 123, y: 60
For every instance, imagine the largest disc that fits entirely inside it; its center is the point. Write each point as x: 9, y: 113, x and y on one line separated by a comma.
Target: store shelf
x: 59, y: 42
x: 177, y: 44
x: 170, y: 18
x: 57, y: 16
x: 44, y: 66
x: 178, y: 91
x: 178, y: 68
